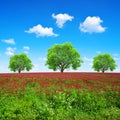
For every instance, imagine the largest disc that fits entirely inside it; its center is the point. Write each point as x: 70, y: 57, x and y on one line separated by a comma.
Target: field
x: 91, y: 81
x: 60, y: 96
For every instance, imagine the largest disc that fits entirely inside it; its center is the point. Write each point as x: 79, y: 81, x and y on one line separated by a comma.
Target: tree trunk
x: 19, y: 71
x: 62, y: 70
x: 103, y: 70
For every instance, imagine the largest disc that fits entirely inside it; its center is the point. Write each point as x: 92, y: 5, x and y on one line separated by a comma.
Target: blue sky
x: 32, y: 26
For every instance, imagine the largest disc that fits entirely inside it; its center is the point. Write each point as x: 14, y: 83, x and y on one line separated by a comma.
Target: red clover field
x: 60, y: 96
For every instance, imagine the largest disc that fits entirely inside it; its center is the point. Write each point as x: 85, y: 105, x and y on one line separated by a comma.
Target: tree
x: 63, y: 56
x: 20, y: 62
x: 104, y: 62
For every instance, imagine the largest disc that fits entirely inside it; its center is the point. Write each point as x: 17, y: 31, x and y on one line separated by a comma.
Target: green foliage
x: 32, y: 85
x: 104, y: 62
x: 63, y: 56
x: 73, y: 104
x: 20, y: 62
x: 112, y: 113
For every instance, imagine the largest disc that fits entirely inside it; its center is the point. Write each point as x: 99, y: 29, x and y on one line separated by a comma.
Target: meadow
x: 60, y: 96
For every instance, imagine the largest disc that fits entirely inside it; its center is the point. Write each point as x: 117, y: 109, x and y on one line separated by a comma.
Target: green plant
x: 63, y: 56
x: 20, y: 62
x: 67, y: 104
x: 104, y: 62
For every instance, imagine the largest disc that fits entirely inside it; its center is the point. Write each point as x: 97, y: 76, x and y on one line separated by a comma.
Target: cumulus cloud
x: 88, y: 59
x: 42, y: 58
x: 36, y: 67
x: 117, y: 70
x: 98, y: 52
x: 116, y: 58
x: 116, y: 54
x: 90, y: 64
x: 61, y: 19
x: 10, y: 51
x: 92, y: 25
x: 39, y: 30
x: 26, y: 48
x: 9, y: 41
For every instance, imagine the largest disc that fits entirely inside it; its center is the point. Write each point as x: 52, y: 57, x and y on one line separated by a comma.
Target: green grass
x: 62, y: 105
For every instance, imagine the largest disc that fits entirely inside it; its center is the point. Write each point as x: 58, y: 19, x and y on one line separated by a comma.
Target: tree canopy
x: 63, y: 56
x: 104, y: 62
x: 20, y: 62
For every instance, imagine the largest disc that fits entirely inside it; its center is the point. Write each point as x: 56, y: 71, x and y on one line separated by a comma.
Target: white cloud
x: 116, y: 54
x: 39, y: 30
x: 88, y: 59
x: 88, y: 62
x: 26, y: 48
x: 61, y: 19
x: 36, y: 67
x: 92, y: 25
x: 10, y: 51
x: 116, y: 58
x: 42, y: 58
x: 26, y: 52
x: 117, y: 70
x: 9, y: 41
x: 98, y: 52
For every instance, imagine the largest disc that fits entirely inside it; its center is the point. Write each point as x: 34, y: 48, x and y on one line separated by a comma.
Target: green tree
x: 104, y: 62
x: 63, y: 56
x: 20, y: 62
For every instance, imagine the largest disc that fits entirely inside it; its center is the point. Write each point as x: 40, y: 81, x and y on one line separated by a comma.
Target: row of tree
x: 61, y: 57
